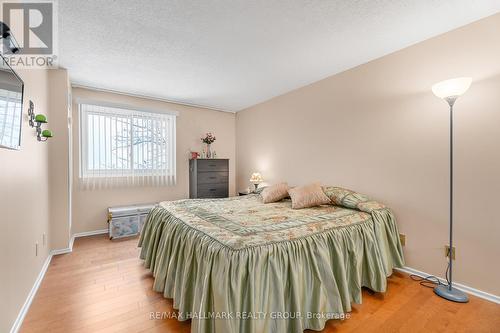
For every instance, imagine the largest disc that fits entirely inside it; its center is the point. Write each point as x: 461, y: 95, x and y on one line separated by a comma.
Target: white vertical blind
x: 125, y: 147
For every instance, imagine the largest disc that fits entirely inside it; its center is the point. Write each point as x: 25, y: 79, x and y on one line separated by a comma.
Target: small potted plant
x: 208, y: 140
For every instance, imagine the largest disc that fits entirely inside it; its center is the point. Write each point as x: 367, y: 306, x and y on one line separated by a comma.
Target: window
x: 10, y: 118
x: 121, y: 146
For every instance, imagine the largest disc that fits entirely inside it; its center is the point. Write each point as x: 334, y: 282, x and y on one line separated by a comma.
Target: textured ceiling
x: 232, y: 54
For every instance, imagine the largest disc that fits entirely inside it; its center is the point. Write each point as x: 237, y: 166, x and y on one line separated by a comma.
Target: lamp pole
x: 450, y: 90
x: 447, y: 291
x: 451, y: 101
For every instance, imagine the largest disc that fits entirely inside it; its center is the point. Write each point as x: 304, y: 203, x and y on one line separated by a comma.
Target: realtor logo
x: 32, y: 24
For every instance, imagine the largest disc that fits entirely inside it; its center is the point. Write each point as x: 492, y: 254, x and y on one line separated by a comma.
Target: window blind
x: 126, y: 147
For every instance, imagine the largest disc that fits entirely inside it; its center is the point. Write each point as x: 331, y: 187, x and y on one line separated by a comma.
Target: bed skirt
x: 287, y: 286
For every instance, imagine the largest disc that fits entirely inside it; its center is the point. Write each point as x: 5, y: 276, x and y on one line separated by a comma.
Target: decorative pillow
x: 308, y: 196
x: 351, y: 199
x: 344, y: 197
x: 275, y: 193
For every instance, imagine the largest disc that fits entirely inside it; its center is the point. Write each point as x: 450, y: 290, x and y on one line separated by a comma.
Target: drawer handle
x: 212, y: 165
x: 212, y: 177
x: 212, y: 190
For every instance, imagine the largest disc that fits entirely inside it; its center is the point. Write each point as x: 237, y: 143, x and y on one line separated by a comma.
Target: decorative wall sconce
x: 37, y: 121
x: 45, y: 135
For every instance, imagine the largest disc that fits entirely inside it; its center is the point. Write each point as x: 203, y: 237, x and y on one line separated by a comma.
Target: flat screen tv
x: 11, y: 107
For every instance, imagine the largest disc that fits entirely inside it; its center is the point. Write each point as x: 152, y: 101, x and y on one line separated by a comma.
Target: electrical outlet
x: 402, y: 239
x: 44, y: 239
x: 36, y: 249
x: 447, y: 252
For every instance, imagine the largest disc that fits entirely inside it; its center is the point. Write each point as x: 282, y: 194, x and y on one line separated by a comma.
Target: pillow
x: 308, y: 196
x: 275, y: 193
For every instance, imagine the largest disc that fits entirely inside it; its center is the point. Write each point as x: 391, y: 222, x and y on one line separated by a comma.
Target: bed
x: 238, y: 265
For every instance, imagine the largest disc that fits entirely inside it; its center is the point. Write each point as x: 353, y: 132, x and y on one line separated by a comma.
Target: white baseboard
x: 90, y: 233
x: 462, y: 287
x: 61, y: 251
x: 77, y: 235
x: 24, y: 310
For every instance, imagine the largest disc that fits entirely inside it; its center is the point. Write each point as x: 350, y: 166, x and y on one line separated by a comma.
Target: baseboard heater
x: 126, y: 221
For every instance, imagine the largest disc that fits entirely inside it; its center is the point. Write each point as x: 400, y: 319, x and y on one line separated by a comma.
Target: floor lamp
x: 450, y: 90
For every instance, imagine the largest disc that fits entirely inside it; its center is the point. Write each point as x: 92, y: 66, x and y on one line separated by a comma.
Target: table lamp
x: 256, y: 179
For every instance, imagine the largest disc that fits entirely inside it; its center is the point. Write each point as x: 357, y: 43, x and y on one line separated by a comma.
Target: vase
x: 209, y: 151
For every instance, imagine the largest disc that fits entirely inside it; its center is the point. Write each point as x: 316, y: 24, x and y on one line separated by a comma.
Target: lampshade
x: 47, y: 133
x: 40, y: 118
x: 256, y: 178
x: 451, y: 88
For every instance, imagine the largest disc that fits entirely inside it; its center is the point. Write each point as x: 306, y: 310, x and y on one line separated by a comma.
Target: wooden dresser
x: 208, y: 178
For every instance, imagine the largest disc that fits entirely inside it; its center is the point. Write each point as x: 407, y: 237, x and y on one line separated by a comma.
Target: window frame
x: 126, y: 111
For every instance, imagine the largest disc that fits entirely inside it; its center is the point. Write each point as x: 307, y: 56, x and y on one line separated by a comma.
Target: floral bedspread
x: 243, y: 222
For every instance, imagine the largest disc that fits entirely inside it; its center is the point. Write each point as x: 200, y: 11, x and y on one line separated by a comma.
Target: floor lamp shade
x: 450, y: 90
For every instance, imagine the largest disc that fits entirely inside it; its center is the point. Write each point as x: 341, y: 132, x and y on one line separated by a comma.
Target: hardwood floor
x: 103, y: 287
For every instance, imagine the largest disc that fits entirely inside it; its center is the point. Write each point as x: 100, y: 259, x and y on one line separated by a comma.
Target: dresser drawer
x: 213, y: 177
x: 213, y: 165
x: 213, y: 190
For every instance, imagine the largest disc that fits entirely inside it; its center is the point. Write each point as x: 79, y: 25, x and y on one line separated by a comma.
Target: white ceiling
x: 232, y: 54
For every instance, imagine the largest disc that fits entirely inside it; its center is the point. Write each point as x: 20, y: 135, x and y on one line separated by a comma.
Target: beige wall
x: 378, y: 129
x: 59, y: 159
x: 89, y: 206
x: 24, y: 206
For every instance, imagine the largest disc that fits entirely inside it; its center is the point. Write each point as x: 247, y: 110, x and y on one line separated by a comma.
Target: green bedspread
x: 238, y: 265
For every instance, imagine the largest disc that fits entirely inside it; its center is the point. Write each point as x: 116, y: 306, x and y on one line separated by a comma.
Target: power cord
x: 431, y: 281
